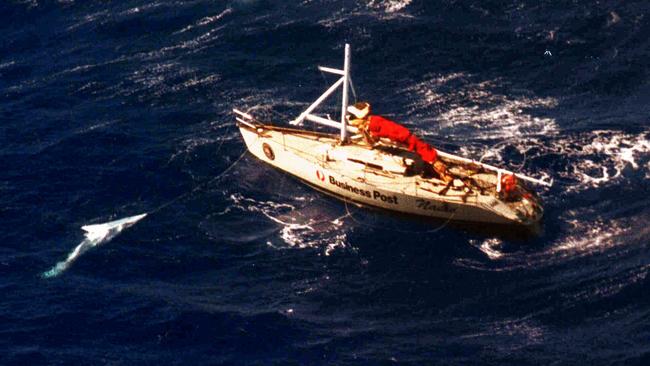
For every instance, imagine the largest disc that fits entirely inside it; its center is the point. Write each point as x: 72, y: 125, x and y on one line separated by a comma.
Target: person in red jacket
x: 372, y: 128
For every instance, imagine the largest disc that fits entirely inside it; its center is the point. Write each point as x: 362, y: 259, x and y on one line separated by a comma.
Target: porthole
x: 268, y: 151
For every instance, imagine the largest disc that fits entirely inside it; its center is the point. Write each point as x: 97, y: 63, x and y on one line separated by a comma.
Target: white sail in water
x: 95, y: 235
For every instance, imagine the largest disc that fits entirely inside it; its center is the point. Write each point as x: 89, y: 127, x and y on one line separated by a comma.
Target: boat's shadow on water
x: 511, y: 233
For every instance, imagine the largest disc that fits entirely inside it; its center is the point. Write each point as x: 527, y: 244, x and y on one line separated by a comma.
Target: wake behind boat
x: 389, y: 175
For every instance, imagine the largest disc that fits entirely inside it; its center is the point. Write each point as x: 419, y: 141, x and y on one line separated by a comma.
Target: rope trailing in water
x: 101, y: 233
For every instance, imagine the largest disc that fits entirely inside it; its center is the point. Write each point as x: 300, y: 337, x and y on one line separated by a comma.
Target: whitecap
x: 206, y: 20
x: 460, y: 100
x: 491, y: 247
x: 389, y: 6
x: 304, y: 226
x: 7, y: 64
x: 600, y: 157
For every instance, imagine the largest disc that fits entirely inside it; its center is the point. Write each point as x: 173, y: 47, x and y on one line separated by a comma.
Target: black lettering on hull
x: 384, y: 198
x: 436, y: 207
x: 349, y: 188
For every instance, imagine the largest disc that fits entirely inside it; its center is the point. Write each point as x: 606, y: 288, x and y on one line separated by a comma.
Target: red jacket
x: 382, y: 127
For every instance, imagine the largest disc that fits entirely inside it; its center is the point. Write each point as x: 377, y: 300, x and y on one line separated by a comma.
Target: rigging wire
x: 202, y: 185
x: 102, y: 233
x: 207, y: 182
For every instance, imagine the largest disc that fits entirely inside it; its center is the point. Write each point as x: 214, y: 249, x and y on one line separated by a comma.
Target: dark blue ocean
x: 110, y: 109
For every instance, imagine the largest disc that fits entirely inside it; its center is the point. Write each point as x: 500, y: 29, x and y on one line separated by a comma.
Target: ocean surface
x: 112, y: 109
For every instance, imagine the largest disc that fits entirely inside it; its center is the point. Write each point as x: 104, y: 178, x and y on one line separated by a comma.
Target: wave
x: 497, y: 127
x: 577, y: 161
x: 206, y: 20
x: 88, y: 19
x: 389, y: 6
x: 189, y: 144
x: 595, y: 159
x: 300, y: 224
x: 462, y: 104
x: 582, y: 233
x: 593, y: 262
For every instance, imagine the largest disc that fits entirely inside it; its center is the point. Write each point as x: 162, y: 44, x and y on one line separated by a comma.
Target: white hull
x: 376, y: 177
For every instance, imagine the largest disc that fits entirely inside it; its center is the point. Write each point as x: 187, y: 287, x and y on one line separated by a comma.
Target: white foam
x: 524, y: 330
x: 195, y: 44
x: 206, y: 20
x: 390, y: 6
x: 160, y: 79
x: 196, y: 81
x: 491, y: 247
x: 299, y: 227
x: 588, y: 237
x: 601, y: 156
x: 590, y: 159
x: 624, y: 147
x: 463, y: 101
x: 578, y: 237
x: 382, y: 10
x: 139, y: 9
x: 7, y: 64
x: 87, y: 19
